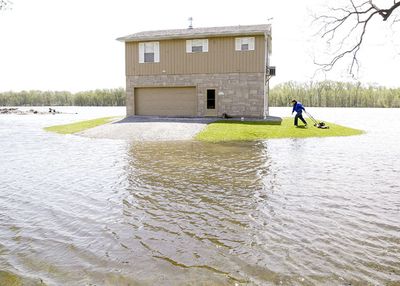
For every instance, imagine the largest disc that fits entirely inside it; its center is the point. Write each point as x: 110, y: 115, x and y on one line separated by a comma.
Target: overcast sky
x: 70, y: 44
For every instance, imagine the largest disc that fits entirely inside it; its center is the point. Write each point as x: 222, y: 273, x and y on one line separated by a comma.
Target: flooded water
x: 316, y: 211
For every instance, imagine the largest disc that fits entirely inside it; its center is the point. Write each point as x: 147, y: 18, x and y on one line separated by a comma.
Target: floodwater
x: 316, y: 211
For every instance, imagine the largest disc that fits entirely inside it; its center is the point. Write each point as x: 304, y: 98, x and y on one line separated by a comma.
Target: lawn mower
x: 317, y: 124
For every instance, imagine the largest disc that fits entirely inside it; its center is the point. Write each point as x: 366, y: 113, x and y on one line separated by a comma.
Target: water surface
x: 316, y: 211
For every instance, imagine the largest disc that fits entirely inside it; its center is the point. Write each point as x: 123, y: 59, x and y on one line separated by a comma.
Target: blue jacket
x: 298, y: 107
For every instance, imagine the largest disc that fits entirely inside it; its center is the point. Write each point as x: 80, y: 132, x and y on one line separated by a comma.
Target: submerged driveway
x: 144, y: 128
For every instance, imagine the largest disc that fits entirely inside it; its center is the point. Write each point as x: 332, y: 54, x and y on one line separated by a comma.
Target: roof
x: 198, y: 32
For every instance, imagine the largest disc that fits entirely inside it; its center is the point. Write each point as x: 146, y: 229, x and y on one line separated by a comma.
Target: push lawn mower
x: 317, y: 124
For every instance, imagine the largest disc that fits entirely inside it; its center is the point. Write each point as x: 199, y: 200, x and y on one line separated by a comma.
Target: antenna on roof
x: 190, y: 23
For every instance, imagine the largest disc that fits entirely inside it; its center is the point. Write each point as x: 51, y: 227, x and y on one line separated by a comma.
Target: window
x: 210, y: 98
x: 244, y: 44
x: 196, y: 49
x: 197, y: 46
x: 149, y: 52
x: 149, y: 57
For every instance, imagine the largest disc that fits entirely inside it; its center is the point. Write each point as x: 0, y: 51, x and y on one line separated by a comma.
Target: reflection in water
x: 192, y: 205
x: 260, y: 213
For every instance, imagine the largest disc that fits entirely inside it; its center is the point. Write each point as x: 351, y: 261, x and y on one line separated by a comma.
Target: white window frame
x: 249, y: 41
x: 203, y: 43
x: 152, y: 47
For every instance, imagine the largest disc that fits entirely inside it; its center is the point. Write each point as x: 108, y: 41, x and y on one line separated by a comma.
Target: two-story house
x: 198, y: 71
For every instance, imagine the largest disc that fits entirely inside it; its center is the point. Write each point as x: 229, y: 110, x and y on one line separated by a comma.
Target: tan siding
x: 220, y: 58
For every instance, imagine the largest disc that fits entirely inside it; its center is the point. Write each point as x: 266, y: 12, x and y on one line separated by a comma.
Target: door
x: 211, y: 103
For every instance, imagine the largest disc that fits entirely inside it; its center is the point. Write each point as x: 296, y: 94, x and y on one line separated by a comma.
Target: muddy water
x: 322, y: 211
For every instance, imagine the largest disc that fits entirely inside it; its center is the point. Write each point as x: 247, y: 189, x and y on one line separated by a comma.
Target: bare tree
x: 347, y: 26
x: 4, y: 4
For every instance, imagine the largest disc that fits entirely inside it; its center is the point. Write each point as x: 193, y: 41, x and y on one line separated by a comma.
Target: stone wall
x: 238, y: 94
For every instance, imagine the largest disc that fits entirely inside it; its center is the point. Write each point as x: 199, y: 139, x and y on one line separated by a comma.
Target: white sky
x: 70, y: 44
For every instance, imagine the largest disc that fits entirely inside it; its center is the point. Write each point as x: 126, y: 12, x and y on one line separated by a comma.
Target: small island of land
x: 217, y: 131
x: 79, y: 126
x: 249, y: 131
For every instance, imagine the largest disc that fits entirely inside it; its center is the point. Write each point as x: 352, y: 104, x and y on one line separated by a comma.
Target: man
x: 298, y: 107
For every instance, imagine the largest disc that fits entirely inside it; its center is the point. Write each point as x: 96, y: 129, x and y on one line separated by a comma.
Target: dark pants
x: 296, y: 118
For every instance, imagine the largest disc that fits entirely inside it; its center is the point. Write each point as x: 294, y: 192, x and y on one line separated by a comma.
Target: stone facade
x: 237, y: 94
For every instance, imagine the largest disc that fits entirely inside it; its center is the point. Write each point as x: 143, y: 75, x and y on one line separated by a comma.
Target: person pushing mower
x: 298, y: 107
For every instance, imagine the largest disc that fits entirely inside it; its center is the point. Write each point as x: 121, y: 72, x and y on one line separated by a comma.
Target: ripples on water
x: 322, y: 211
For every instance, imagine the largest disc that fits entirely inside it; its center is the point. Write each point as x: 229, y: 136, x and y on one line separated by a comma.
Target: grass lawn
x: 248, y: 131
x: 79, y: 126
x: 9, y: 279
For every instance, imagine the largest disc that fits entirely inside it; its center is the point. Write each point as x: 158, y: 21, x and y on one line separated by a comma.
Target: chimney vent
x: 190, y: 23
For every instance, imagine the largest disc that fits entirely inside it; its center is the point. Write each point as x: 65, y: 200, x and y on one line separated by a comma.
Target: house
x: 198, y: 72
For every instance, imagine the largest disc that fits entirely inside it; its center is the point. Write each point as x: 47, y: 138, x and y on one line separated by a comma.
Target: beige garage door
x: 166, y: 101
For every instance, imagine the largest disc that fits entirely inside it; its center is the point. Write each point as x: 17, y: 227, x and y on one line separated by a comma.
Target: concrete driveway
x: 144, y: 128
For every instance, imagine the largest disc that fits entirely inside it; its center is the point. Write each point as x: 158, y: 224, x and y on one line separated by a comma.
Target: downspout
x: 267, y: 36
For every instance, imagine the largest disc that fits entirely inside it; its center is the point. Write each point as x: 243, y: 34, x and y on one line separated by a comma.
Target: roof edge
x: 251, y: 30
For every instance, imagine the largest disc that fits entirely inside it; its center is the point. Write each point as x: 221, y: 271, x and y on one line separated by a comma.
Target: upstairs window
x: 244, y: 44
x: 197, y: 46
x: 149, y: 52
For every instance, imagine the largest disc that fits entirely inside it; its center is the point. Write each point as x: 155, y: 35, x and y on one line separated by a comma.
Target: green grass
x: 79, y: 126
x: 250, y: 131
x: 9, y: 279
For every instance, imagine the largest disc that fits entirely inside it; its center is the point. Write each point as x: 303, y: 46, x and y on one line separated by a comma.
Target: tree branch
x: 4, y: 4
x: 352, y: 20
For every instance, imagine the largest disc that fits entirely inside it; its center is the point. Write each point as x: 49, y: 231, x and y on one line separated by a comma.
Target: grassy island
x: 224, y: 130
x: 79, y: 126
x: 10, y: 279
x: 233, y: 130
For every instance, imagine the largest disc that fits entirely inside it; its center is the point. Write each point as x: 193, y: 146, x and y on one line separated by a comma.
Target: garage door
x: 166, y: 101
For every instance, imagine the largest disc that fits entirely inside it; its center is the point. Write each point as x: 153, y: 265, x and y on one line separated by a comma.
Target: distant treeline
x: 320, y: 94
x: 334, y: 94
x: 98, y: 97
